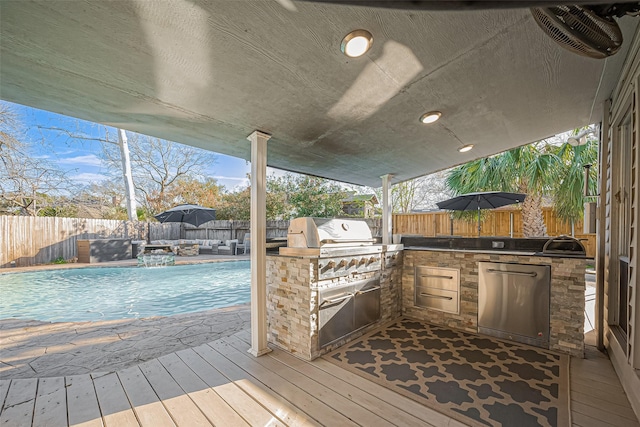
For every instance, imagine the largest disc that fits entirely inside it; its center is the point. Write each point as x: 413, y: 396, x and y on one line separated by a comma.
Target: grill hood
x: 310, y: 232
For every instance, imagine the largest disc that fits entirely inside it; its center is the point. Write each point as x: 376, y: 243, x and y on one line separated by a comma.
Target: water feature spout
x: 156, y: 260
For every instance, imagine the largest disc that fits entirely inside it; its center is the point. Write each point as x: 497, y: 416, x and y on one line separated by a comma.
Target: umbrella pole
x: 478, y: 220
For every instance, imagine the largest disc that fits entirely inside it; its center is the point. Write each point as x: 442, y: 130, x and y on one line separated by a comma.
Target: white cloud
x: 88, y: 160
x: 88, y: 178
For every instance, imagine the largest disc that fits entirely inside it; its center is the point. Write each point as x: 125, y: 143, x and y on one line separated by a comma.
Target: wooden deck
x: 221, y: 384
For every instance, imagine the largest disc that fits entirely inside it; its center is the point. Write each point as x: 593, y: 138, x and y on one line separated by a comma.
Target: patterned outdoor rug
x: 474, y: 379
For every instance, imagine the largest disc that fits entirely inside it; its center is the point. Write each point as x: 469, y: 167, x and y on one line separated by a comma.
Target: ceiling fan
x: 588, y: 29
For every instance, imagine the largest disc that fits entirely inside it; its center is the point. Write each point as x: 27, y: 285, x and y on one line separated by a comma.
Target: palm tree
x: 537, y: 169
x: 568, y: 190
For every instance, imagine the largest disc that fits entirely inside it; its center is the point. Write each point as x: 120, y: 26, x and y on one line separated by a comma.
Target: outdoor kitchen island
x: 330, y: 285
x: 440, y: 257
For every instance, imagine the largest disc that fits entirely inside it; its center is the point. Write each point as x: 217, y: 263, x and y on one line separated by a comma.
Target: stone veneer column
x: 291, y: 304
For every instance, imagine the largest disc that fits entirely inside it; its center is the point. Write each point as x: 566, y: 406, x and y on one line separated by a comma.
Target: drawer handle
x: 515, y: 273
x: 377, y: 288
x: 438, y: 276
x: 436, y: 296
x: 337, y: 300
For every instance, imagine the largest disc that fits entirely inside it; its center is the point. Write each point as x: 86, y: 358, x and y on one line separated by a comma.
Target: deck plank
x: 51, y: 403
x: 597, y: 379
x: 580, y: 383
x: 231, y: 392
x: 597, y: 365
x: 146, y: 404
x: 18, y: 406
x: 598, y: 395
x: 581, y: 420
x: 611, y: 407
x: 598, y: 413
x: 397, y: 404
x: 82, y: 402
x: 359, y: 395
x: 182, y: 409
x: 210, y: 403
x: 325, y: 414
x: 114, y: 406
x: 405, y: 404
x: 254, y: 402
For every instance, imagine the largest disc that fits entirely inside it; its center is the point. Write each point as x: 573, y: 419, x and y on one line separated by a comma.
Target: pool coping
x: 198, y: 259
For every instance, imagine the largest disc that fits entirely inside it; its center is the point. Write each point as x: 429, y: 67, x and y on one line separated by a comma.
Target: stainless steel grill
x: 344, y: 246
x: 348, y: 272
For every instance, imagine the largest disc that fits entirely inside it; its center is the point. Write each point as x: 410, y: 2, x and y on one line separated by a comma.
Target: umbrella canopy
x: 191, y: 214
x: 482, y: 200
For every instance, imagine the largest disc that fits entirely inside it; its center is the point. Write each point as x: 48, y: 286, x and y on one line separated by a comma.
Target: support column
x: 603, y: 149
x: 258, y: 243
x: 386, y: 209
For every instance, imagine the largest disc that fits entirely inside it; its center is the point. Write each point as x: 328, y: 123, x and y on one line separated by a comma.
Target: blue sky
x: 82, y: 158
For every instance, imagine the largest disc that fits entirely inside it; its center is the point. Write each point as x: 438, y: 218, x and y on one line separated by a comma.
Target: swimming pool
x: 108, y: 293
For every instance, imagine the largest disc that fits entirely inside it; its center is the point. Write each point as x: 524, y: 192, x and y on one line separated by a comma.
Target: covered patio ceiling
x: 208, y: 73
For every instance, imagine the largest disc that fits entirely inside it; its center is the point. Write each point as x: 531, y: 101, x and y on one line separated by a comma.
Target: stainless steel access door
x: 335, y: 313
x: 513, y: 302
x: 366, y: 302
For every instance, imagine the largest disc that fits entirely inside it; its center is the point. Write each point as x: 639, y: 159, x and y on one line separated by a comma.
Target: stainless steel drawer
x: 437, y: 299
x: 438, y: 278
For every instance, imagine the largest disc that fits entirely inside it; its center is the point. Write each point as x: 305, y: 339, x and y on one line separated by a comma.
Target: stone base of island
x: 567, y: 300
x: 295, y: 285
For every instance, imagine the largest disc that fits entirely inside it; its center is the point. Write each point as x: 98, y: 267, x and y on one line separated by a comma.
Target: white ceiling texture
x: 208, y: 73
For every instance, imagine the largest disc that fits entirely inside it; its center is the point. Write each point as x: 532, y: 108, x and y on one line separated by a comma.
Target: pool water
x: 108, y: 293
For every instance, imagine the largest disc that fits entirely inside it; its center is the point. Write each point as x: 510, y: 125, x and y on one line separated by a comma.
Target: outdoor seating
x: 159, y: 246
x: 245, y: 245
x: 229, y: 247
x: 189, y: 249
x: 209, y: 246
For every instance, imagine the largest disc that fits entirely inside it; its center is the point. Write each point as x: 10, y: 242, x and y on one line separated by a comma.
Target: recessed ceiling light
x: 465, y: 148
x: 430, y: 117
x: 356, y: 43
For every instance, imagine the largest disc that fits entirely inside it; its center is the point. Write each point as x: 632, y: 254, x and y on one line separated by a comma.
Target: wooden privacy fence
x: 493, y: 223
x: 40, y: 240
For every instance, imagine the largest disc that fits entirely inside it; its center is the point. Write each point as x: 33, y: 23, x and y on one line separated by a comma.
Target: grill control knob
x: 372, y: 260
x: 353, y: 262
x: 362, y: 260
x: 343, y: 262
x: 331, y: 264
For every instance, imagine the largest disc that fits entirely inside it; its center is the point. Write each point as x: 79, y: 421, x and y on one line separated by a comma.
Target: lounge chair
x: 245, y: 245
x: 229, y: 247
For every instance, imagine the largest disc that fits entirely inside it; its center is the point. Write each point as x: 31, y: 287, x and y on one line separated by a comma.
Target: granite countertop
x: 494, y: 252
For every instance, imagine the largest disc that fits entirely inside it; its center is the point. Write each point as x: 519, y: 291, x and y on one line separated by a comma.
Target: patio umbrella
x: 483, y: 200
x: 191, y: 214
